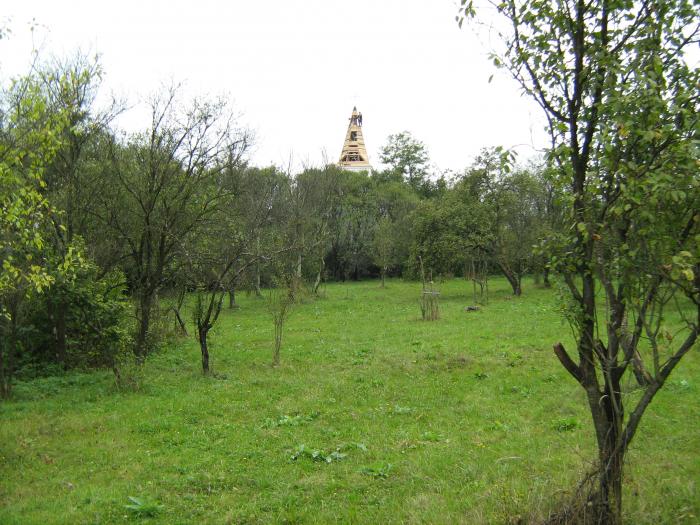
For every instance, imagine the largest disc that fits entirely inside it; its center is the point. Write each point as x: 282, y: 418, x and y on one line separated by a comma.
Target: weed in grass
x: 430, y: 436
x: 317, y: 455
x: 289, y: 421
x: 680, y: 385
x: 141, y: 508
x: 566, y: 424
x: 377, y: 471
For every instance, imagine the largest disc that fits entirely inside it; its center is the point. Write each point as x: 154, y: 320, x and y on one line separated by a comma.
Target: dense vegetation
x: 115, y: 246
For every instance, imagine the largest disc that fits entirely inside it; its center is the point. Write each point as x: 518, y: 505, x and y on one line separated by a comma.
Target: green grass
x: 469, y: 419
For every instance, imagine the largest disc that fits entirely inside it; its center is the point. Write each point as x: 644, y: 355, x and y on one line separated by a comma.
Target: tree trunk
x: 202, y: 336
x: 6, y: 362
x: 6, y: 367
x: 232, y: 298
x: 144, y: 315
x: 545, y: 276
x: 57, y: 315
x: 607, y: 499
x: 61, y: 346
x: 256, y: 277
x: 383, y: 277
x: 180, y: 322
x: 256, y: 281
x: 512, y: 277
x: 278, y: 342
x: 319, y: 275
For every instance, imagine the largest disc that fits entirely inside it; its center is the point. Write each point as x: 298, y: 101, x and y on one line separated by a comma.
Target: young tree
x: 622, y: 104
x: 226, y: 246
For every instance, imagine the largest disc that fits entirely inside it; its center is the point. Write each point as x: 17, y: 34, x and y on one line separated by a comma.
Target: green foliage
x: 407, y: 157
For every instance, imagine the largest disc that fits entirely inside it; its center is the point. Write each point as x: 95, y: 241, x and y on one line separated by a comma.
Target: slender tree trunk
x: 319, y: 275
x: 232, y: 298
x: 6, y: 366
x: 7, y: 362
x: 4, y: 381
x: 256, y: 277
x: 203, y: 332
x: 278, y: 342
x: 57, y: 315
x: 383, y: 276
x: 61, y: 337
x: 180, y: 322
x: 144, y: 317
x: 545, y: 278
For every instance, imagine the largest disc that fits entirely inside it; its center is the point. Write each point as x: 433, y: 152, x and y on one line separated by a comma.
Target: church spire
x: 354, y: 155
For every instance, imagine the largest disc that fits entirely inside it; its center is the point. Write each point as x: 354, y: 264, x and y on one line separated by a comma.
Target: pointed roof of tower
x: 354, y: 155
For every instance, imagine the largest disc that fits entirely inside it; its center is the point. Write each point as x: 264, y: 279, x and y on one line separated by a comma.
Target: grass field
x: 469, y: 419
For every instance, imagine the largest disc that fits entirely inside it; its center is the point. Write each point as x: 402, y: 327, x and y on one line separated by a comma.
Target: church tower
x: 354, y: 155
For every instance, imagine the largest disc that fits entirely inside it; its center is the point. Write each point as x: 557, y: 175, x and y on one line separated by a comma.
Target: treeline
x: 99, y: 224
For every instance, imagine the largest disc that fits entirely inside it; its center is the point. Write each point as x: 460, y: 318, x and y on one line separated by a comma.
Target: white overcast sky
x: 295, y: 68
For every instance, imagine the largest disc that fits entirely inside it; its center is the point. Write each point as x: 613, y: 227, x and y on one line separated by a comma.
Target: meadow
x: 373, y: 416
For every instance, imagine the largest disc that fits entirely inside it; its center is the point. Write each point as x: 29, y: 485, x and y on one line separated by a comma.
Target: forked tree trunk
x: 607, y: 418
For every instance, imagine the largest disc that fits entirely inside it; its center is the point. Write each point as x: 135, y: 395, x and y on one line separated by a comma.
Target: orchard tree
x: 508, y: 199
x: 165, y: 189
x: 621, y: 101
x: 408, y: 157
x: 29, y: 134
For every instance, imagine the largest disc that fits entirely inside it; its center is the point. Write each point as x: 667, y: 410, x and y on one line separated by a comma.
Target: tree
x: 408, y: 157
x: 165, y: 188
x: 228, y: 243
x: 509, y: 199
x: 622, y: 107
x: 28, y: 142
x: 70, y: 88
